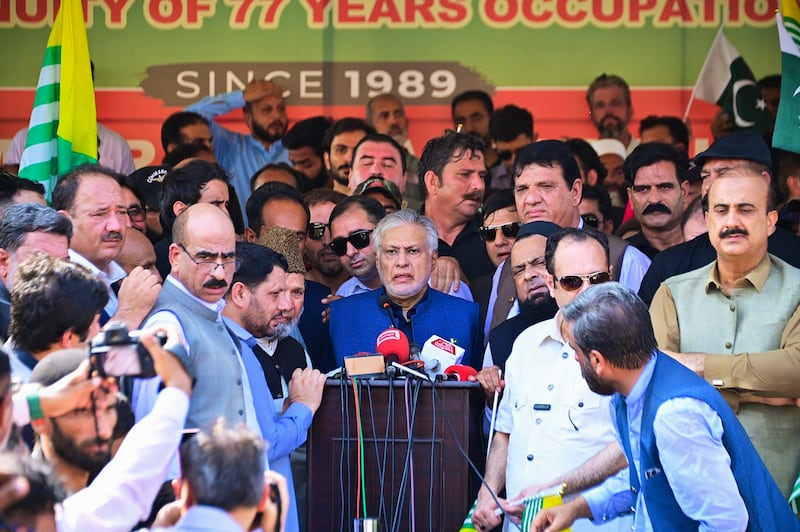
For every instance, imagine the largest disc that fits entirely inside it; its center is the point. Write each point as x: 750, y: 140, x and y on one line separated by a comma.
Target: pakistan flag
x: 727, y: 81
x: 787, y: 124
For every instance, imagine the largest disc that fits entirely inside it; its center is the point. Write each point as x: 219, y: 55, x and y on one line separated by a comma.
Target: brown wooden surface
x: 440, y: 501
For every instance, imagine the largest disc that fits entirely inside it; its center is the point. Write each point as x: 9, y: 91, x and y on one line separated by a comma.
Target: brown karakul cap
x: 284, y: 241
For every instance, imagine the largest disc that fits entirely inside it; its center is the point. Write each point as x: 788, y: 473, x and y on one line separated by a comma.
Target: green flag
x: 62, y: 131
x: 727, y: 81
x: 787, y: 123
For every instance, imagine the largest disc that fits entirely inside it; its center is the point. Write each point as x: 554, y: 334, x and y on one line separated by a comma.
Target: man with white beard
x: 257, y: 311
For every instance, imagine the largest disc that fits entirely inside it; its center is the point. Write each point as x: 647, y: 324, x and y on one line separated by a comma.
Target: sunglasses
x: 316, y: 230
x: 591, y: 220
x: 359, y: 240
x: 136, y: 213
x: 510, y: 230
x: 570, y: 283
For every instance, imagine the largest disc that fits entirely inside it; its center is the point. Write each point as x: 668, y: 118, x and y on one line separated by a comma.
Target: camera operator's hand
x: 72, y: 391
x: 168, y: 366
x: 274, y: 512
x: 306, y: 388
x: 137, y: 293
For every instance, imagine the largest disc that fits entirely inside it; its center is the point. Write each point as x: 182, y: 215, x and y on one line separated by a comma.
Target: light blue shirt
x: 239, y: 153
x: 284, y: 433
x: 688, y: 433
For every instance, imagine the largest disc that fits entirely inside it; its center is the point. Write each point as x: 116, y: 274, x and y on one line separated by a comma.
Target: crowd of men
x: 635, y: 308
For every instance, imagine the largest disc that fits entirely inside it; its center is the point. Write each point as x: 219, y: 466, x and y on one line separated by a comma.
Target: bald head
x: 137, y: 251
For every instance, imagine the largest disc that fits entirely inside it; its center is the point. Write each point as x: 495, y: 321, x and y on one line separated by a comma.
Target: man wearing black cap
x: 549, y: 419
x: 147, y: 182
x: 739, y: 149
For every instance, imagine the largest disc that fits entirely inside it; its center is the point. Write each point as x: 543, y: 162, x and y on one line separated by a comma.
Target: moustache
x: 656, y: 207
x: 345, y: 168
x: 475, y: 196
x: 735, y: 231
x: 215, y: 283
x: 111, y: 236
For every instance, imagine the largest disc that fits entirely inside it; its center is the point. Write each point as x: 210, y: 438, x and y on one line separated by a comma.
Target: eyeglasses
x: 316, y: 230
x: 510, y: 230
x: 591, y: 220
x: 209, y: 264
x: 570, y: 283
x: 135, y: 213
x: 359, y: 239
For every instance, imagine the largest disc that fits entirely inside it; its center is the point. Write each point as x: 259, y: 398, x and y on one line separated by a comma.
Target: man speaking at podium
x: 406, y: 245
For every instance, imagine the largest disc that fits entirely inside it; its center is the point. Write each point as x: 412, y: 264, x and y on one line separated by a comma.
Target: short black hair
x: 575, y: 235
x: 256, y: 263
x: 466, y: 96
x: 67, y: 185
x: 270, y: 192
x: 278, y: 167
x: 323, y: 195
x: 309, y: 132
x: 439, y: 151
x: 509, y: 122
x: 772, y: 81
x: 183, y: 152
x: 371, y: 206
x: 185, y: 184
x: 589, y: 159
x: 651, y: 153
x: 499, y: 199
x: 547, y: 153
x: 601, y: 196
x: 344, y: 125
x: 677, y: 127
x: 171, y: 127
x: 383, y: 139
x: 51, y: 296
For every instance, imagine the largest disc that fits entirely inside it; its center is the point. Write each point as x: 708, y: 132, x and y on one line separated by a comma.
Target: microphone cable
x: 433, y: 455
x: 361, y: 491
x: 408, y: 459
x: 381, y: 468
x: 469, y: 461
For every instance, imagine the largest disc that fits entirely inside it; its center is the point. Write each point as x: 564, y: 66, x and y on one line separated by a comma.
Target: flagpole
x: 694, y: 89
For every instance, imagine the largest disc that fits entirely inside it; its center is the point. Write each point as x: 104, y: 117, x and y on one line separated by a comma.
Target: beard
x: 76, y: 454
x: 341, y: 175
x: 610, y: 127
x: 542, y: 305
x: 264, y: 133
x: 592, y: 380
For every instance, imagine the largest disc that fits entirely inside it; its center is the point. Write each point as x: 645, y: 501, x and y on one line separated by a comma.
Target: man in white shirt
x: 549, y: 419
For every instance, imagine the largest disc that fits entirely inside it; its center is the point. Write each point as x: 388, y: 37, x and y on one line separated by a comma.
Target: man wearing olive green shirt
x: 736, y: 321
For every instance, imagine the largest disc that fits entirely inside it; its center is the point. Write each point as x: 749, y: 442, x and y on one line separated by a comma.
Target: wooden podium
x: 443, y: 484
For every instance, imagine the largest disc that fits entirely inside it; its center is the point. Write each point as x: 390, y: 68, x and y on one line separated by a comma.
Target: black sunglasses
x: 359, y: 239
x: 510, y: 230
x: 591, y: 220
x: 316, y: 230
x: 570, y: 283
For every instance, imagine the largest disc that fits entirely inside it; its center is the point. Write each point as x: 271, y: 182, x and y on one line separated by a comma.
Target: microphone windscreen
x: 461, y: 372
x: 393, y: 343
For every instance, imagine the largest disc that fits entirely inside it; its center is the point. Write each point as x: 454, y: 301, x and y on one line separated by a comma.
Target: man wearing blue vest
x: 691, y: 464
x: 406, y: 248
x: 257, y: 312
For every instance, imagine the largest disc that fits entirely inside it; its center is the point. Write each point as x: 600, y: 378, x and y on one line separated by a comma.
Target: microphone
x: 393, y: 345
x: 386, y: 304
x: 438, y: 353
x: 459, y: 372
